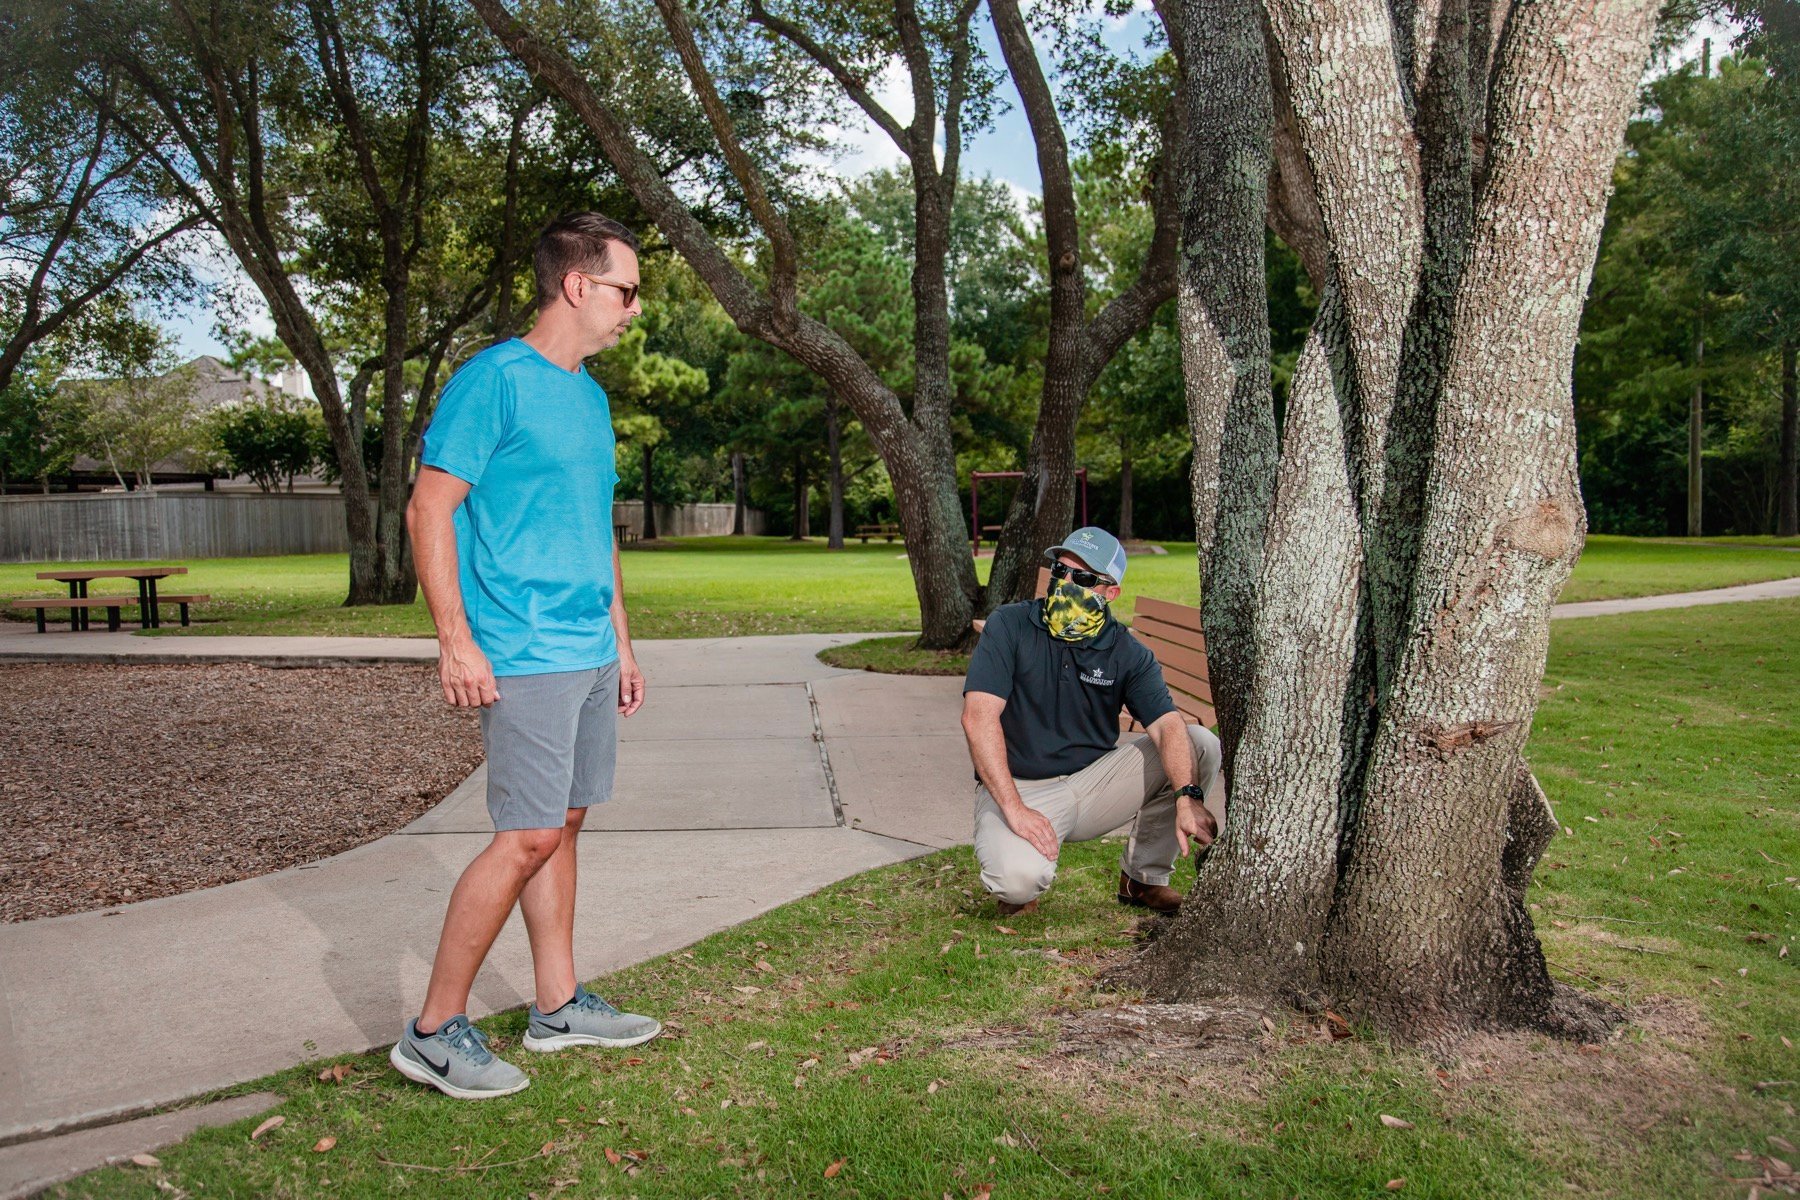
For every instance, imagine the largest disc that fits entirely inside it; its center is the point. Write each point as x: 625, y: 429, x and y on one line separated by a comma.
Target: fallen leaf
x: 746, y: 989
x: 1394, y: 1185
x: 547, y: 1149
x: 1005, y: 929
x: 146, y: 1160
x: 931, y: 1088
x: 324, y: 1144
x: 1782, y: 1144
x: 336, y: 1073
x: 634, y: 1062
x: 811, y: 1062
x: 271, y: 1123
x: 1395, y: 1122
x: 834, y: 1168
x: 1268, y: 1025
x: 1008, y: 1140
x: 763, y: 966
x: 613, y: 1156
x: 1279, y: 1126
x: 1785, y: 1042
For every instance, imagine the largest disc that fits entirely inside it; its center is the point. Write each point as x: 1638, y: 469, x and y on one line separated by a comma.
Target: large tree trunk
x: 649, y: 494
x: 1787, y: 522
x: 1381, y: 826
x: 740, y: 493
x: 1125, y: 532
x: 1696, y: 432
x: 835, y: 527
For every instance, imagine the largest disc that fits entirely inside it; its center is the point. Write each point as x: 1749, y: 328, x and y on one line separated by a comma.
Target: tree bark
x: 740, y: 489
x: 1787, y: 523
x: 1382, y: 826
x: 1125, y: 532
x: 802, y: 518
x: 649, y: 494
x: 1696, y: 437
x: 835, y: 528
x: 1043, y: 506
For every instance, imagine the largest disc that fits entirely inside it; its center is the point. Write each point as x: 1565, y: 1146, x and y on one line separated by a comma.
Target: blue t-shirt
x: 534, y: 537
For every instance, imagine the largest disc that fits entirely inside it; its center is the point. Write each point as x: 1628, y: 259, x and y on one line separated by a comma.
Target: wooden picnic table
x: 146, y: 578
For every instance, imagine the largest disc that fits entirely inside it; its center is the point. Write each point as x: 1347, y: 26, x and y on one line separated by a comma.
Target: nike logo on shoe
x: 564, y: 1028
x: 442, y: 1069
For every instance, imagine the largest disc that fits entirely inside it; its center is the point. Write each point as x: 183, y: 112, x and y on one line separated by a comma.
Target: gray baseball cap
x: 1097, y: 548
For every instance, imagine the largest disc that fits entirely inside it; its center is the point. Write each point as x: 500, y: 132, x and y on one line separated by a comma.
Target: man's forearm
x: 1176, y: 751
x: 434, y: 557
x: 987, y: 747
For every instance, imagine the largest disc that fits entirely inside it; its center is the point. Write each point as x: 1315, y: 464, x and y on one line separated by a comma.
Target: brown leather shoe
x: 1013, y: 910
x: 1154, y: 896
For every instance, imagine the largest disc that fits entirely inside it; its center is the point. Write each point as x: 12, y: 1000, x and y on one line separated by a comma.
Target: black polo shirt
x: 1063, y: 698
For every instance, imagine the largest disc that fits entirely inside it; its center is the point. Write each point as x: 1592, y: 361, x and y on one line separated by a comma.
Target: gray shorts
x: 552, y: 743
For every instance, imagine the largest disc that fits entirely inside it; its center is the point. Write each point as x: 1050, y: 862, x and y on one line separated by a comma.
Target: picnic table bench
x: 80, y: 604
x: 890, y: 532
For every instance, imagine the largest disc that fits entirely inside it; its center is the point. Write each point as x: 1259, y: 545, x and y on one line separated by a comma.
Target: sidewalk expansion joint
x: 837, y: 803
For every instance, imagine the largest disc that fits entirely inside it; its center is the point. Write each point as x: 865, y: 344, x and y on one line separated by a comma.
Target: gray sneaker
x: 587, y: 1020
x: 456, y: 1061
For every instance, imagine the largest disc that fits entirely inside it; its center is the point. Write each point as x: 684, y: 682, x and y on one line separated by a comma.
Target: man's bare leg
x: 479, y: 906
x: 548, y: 905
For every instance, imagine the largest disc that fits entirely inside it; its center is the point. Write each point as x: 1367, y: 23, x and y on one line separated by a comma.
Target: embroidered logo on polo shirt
x: 1097, y: 677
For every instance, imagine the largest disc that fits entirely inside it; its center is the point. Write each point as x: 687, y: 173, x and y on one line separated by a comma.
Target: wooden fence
x: 103, y: 527
x: 162, y: 525
x: 687, y: 520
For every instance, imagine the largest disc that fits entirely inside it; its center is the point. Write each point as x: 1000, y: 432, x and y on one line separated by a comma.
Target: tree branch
x: 856, y: 89
x: 785, y: 270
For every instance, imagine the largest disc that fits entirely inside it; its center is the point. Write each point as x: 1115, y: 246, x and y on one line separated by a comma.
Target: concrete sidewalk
x: 728, y: 804
x: 754, y: 775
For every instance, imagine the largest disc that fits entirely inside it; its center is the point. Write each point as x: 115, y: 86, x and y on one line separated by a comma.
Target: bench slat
x: 1142, y: 626
x: 1180, y: 615
x: 1179, y: 658
x: 75, y: 602
x: 162, y: 599
x: 1181, y: 681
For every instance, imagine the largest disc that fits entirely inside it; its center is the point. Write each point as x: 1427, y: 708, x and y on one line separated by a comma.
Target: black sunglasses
x: 1079, y: 577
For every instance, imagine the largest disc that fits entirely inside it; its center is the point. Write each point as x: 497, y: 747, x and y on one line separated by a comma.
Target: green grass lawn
x: 892, y: 1024
x: 724, y: 587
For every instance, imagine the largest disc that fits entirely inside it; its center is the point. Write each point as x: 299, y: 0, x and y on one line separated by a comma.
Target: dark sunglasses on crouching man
x: 1079, y: 577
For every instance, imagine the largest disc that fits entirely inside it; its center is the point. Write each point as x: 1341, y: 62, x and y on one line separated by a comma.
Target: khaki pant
x: 1124, y: 783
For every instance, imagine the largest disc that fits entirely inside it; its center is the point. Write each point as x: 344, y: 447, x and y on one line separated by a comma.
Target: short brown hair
x: 577, y: 241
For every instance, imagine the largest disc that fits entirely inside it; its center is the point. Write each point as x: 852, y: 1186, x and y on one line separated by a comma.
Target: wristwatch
x: 1192, y: 792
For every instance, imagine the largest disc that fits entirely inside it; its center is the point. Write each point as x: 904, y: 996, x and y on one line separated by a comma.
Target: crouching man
x: 1041, y: 711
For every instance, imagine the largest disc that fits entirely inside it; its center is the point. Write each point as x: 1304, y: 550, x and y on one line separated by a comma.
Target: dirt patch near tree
x: 122, y: 783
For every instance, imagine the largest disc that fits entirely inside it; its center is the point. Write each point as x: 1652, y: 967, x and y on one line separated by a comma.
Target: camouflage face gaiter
x: 1071, y: 613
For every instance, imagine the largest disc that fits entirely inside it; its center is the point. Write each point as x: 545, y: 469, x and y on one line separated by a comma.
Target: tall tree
x: 1378, y: 578
x: 260, y: 111
x: 83, y: 211
x: 951, y: 91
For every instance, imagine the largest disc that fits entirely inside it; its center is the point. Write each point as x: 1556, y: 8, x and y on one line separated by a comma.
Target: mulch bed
x: 121, y: 783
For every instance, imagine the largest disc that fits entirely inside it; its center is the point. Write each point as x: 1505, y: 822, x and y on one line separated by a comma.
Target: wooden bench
x: 184, y: 601
x: 865, y: 532
x: 1173, y: 633
x: 77, y: 605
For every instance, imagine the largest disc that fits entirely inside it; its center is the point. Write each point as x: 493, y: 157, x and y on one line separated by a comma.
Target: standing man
x: 1041, y: 712
x: 511, y: 523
